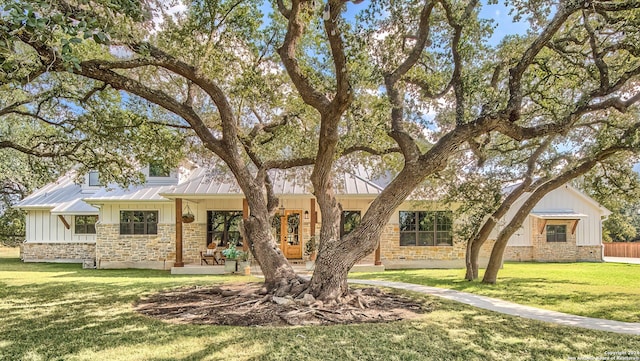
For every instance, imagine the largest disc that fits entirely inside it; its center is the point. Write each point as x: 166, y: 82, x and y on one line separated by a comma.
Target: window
x: 138, y: 222
x: 86, y: 224
x: 223, y: 227
x: 348, y: 221
x: 156, y: 169
x: 94, y: 179
x: 556, y: 233
x: 426, y: 228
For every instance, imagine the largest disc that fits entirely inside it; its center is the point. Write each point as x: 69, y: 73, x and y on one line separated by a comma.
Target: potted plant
x: 231, y: 255
x: 310, y: 249
x: 187, y: 216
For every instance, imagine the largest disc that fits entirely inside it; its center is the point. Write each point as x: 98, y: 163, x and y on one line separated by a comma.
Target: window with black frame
x: 556, y: 233
x: 348, y: 221
x: 423, y: 228
x: 224, y: 227
x: 138, y: 222
x: 85, y: 224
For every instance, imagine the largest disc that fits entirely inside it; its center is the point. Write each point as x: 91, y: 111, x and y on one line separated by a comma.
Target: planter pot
x: 188, y: 218
x: 230, y: 266
x: 242, y: 265
x: 244, y: 268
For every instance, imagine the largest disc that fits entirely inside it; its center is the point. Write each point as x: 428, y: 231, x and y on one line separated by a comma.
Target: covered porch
x: 216, y: 224
x: 217, y: 207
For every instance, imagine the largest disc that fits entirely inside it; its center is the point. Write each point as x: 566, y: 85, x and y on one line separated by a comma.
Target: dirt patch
x: 245, y: 305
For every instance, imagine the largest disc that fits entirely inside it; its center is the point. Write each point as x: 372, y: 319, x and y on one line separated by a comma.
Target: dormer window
x: 157, y: 170
x: 94, y: 179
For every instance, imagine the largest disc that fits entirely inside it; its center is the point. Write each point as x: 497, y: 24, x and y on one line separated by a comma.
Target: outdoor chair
x: 210, y: 254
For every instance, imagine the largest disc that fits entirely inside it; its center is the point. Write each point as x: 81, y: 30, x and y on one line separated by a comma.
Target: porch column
x: 314, y: 217
x: 377, y: 261
x: 179, y: 262
x: 245, y: 215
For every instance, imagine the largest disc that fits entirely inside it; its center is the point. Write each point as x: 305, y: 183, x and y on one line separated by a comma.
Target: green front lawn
x: 62, y: 312
x: 601, y: 290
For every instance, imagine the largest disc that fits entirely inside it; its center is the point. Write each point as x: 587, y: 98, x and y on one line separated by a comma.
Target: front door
x: 288, y: 228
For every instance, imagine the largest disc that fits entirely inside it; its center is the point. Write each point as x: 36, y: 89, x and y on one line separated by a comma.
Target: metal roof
x: 77, y: 206
x: 560, y: 214
x: 62, y: 194
x: 65, y: 196
x: 204, y: 182
x: 136, y: 193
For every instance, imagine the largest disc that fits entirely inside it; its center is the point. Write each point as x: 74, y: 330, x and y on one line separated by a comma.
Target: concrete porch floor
x: 196, y: 269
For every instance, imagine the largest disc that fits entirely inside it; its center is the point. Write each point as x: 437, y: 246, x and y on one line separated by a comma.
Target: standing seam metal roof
x: 203, y: 182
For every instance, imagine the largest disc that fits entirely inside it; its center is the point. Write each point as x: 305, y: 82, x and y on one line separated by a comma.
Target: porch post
x: 179, y: 262
x: 377, y: 261
x: 245, y: 215
x: 314, y: 217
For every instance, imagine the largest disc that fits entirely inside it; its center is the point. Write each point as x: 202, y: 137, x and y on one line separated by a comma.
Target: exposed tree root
x: 245, y: 305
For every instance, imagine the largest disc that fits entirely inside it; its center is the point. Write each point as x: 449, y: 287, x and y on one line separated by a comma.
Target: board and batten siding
x: 588, y: 232
x: 44, y: 227
x: 589, y: 228
x: 110, y: 212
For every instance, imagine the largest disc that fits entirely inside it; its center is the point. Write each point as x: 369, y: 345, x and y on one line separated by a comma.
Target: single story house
x: 142, y: 227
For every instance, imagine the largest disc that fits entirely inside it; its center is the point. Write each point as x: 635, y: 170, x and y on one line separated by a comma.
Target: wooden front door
x: 288, y: 230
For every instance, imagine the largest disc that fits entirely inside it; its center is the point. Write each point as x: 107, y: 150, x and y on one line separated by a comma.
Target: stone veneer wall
x: 113, y: 250
x: 194, y: 240
x: 518, y: 253
x: 57, y: 252
x: 394, y: 255
x: 543, y: 251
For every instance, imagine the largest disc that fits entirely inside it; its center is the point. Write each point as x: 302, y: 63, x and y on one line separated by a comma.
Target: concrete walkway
x: 621, y: 260
x: 513, y: 309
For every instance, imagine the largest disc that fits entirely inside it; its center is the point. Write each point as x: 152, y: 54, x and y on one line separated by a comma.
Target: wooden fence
x: 622, y: 249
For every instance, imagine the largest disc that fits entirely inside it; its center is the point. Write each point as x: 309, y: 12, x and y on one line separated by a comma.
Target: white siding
x: 563, y: 198
x: 522, y: 237
x: 110, y: 212
x: 233, y: 204
x: 355, y: 205
x: 588, y: 231
x: 43, y: 227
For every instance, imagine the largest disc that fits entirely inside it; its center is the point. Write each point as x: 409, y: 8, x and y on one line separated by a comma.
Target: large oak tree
x: 337, y: 85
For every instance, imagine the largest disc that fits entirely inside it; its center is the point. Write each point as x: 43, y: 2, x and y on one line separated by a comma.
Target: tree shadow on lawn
x: 96, y: 322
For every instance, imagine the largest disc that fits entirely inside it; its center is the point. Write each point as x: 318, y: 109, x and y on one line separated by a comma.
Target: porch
x: 216, y: 223
x: 299, y: 267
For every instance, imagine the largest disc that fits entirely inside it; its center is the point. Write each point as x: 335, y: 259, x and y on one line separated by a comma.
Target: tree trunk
x: 474, y: 245
x: 471, y: 260
x: 497, y: 253
x: 329, y: 281
x: 279, y: 276
x: 336, y: 256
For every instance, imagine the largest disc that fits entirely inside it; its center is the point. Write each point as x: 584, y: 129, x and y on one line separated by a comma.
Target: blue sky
x: 503, y: 21
x: 498, y: 12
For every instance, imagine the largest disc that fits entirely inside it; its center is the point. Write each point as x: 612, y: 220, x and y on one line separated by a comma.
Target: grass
x: 62, y: 312
x: 601, y: 290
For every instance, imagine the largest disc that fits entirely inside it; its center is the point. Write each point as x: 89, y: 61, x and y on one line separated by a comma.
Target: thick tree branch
x: 515, y: 74
x: 409, y: 148
x: 287, y: 52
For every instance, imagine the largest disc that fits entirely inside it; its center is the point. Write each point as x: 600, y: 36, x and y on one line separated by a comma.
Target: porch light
x: 281, y: 210
x: 306, y: 215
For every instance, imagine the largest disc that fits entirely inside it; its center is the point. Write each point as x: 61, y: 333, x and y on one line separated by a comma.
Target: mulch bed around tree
x: 246, y: 305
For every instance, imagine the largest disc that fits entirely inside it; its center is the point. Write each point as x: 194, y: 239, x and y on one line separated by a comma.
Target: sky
x: 504, y: 22
x: 498, y: 12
